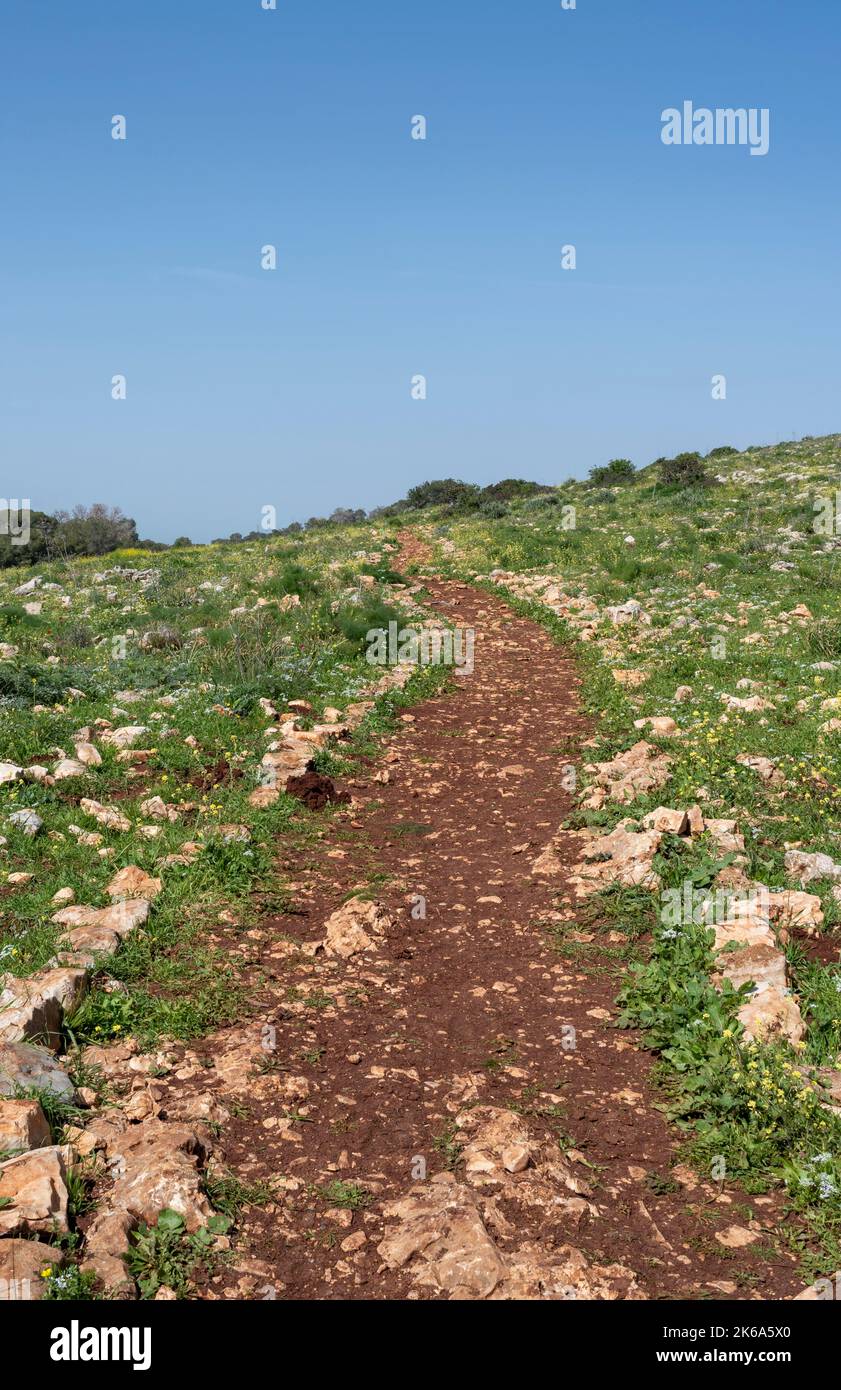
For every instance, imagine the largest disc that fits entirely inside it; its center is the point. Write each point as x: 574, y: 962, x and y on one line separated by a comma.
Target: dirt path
x: 367, y: 1063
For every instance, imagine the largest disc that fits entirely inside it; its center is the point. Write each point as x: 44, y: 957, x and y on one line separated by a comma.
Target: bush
x: 617, y: 471
x: 509, y: 488
x: 447, y: 492
x: 684, y: 470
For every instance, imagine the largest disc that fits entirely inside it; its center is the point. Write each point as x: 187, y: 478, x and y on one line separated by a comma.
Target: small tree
x: 617, y: 471
x: 685, y: 470
x: 94, y: 530
x: 442, y: 492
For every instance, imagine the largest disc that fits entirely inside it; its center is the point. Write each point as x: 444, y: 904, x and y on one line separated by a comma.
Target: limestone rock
x: 23, y: 1126
x: 87, y: 754
x: 631, y: 774
x: 758, y: 963
x: 662, y: 726
x: 353, y: 926
x: 806, y: 868
x: 26, y: 820
x: 441, y: 1229
x: 498, y: 1142
x: 125, y: 736
x: 666, y: 820
x: 22, y: 1265
x: 29, y: 1068
x: 132, y: 882
x: 763, y: 767
x: 35, y: 1183
x: 69, y: 767
x: 442, y: 1240
x: 624, y: 856
x: 156, y: 1165
x: 35, y: 1007
x: 793, y: 909
x: 769, y: 1014
x: 279, y: 765
x: 108, y: 816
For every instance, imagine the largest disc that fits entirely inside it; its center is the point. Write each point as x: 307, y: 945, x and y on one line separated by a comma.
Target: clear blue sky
x: 396, y: 257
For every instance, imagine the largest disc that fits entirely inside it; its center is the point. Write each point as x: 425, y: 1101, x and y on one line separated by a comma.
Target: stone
x: 628, y: 612
x: 26, y: 820
x: 440, y: 1227
x: 497, y: 1142
x: 737, y: 1237
x: 36, y: 1184
x: 35, y: 1007
x: 90, y: 838
x: 125, y: 736
x: 631, y: 774
x: 670, y: 822
x: 441, y: 1239
x: 233, y: 833
x: 159, y: 809
x: 353, y: 926
x: 806, y: 868
x: 107, y: 1234
x: 37, y: 773
x: 23, y: 1067
x: 624, y: 856
x: 725, y: 835
x: 824, y: 1290
x: 662, y: 726
x: 262, y: 797
x: 87, y: 754
x: 98, y: 931
x: 752, y: 705
x: 23, y: 1264
x: 789, y: 908
x: 23, y: 1126
x: 757, y: 963
x: 763, y: 767
x: 9, y: 772
x: 744, y: 931
x: 157, y: 1165
x: 69, y: 767
x: 279, y: 765
x: 629, y: 677
x: 769, y: 1015
x: 108, y: 816
x: 132, y: 882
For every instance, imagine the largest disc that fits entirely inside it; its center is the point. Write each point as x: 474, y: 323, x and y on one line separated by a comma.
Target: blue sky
x: 291, y: 388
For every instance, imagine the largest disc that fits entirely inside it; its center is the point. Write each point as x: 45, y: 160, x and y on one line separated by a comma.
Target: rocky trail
x: 436, y: 1094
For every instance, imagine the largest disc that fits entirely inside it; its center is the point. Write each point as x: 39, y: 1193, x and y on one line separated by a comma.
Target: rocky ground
x: 434, y: 1078
x: 438, y: 1099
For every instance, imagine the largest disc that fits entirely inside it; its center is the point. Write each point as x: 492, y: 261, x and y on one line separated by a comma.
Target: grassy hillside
x: 139, y: 693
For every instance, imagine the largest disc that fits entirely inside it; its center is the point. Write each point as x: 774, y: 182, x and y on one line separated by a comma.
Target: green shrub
x: 617, y: 471
x: 685, y: 470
